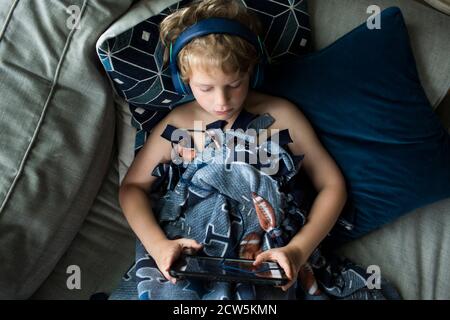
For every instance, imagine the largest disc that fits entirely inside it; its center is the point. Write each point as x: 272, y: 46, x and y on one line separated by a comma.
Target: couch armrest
x: 441, y: 5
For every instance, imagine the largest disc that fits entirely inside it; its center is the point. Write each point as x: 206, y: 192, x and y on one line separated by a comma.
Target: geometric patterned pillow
x: 133, y: 59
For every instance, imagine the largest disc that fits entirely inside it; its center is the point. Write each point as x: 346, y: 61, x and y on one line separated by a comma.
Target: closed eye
x: 235, y: 86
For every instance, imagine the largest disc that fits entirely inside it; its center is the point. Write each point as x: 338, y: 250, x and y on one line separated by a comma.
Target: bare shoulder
x: 182, y: 116
x: 282, y: 110
x: 287, y: 116
x: 157, y: 148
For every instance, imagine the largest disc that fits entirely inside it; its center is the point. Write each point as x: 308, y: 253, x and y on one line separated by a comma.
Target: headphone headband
x: 214, y: 25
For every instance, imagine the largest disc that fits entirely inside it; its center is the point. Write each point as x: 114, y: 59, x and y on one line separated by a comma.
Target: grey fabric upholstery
x: 57, y: 125
x: 103, y: 248
x: 412, y: 252
x: 58, y: 188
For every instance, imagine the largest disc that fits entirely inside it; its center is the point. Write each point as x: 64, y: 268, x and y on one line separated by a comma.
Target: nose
x: 222, y: 100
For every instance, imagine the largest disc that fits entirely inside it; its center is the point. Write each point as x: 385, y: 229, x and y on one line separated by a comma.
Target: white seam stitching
x: 8, y: 19
x: 47, y: 102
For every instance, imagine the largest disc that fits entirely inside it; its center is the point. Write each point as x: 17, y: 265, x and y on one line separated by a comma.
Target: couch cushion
x: 412, y: 252
x: 428, y: 29
x: 103, y: 248
x: 57, y: 130
x: 363, y: 96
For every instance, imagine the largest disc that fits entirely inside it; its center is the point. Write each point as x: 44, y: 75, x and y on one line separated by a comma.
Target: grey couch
x: 66, y: 142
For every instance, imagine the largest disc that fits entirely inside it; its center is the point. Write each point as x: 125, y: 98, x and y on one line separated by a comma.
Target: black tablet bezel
x: 177, y: 273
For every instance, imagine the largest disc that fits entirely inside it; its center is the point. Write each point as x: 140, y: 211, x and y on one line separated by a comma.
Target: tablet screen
x: 232, y: 267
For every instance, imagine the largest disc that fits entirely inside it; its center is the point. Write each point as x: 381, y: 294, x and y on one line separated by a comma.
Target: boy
x: 218, y: 69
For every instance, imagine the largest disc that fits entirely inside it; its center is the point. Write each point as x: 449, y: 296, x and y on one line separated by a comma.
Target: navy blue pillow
x: 363, y: 96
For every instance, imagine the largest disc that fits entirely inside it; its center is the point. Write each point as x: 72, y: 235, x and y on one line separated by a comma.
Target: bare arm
x: 138, y: 180
x: 328, y: 181
x: 137, y: 207
x: 326, y: 177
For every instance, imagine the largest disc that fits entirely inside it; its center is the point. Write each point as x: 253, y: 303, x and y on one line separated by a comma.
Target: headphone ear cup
x: 179, y: 85
x: 186, y: 88
x: 257, y: 76
x: 182, y: 85
x: 253, y: 79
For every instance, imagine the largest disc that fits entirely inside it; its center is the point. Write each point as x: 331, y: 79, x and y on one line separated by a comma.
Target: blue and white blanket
x: 237, y: 198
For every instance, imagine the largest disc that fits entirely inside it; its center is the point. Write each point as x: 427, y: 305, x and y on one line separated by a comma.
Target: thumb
x: 263, y: 256
x: 191, y: 243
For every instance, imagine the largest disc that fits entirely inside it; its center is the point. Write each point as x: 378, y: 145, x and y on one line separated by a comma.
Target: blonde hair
x: 231, y: 54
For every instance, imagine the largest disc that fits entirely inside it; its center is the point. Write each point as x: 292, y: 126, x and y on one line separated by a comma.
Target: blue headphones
x: 215, y: 25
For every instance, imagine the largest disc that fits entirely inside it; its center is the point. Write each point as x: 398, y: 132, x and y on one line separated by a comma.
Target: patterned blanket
x: 236, y: 197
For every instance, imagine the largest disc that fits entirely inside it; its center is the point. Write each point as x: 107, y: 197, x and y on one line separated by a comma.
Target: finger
x: 168, y: 276
x: 288, y: 285
x: 171, y: 258
x: 284, y: 263
x: 163, y: 267
x: 194, y: 244
x: 191, y: 243
x: 263, y: 256
x: 189, y: 249
x: 167, y: 263
x: 292, y: 276
x: 165, y: 271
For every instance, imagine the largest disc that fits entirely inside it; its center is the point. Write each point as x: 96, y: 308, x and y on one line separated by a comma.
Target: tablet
x: 230, y: 270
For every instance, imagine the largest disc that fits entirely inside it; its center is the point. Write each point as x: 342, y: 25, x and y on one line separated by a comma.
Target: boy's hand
x: 165, y: 252
x: 289, y: 258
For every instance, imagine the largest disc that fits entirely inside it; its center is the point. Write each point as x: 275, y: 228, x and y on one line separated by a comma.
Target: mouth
x: 223, y: 112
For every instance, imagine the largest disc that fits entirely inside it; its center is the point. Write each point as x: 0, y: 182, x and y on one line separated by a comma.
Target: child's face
x: 222, y: 95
